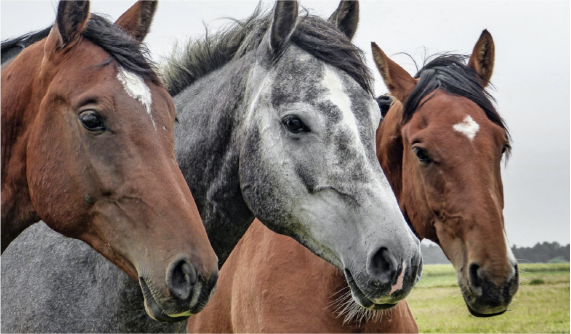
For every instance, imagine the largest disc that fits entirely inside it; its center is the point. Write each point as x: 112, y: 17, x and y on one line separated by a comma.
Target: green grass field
x: 541, y: 304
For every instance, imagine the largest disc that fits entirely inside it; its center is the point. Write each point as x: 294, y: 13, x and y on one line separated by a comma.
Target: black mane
x: 450, y: 73
x: 313, y: 34
x: 23, y: 41
x: 130, y: 54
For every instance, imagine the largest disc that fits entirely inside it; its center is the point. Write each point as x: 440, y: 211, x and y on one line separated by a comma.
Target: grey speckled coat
x: 51, y: 283
x: 284, y: 133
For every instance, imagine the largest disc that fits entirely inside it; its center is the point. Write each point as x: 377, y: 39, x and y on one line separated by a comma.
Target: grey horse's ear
x: 283, y: 25
x: 346, y: 17
x: 136, y: 21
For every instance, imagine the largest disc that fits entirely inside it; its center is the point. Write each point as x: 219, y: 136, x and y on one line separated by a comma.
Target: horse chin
x: 480, y: 310
x: 360, y: 298
x: 484, y: 315
x: 154, y: 310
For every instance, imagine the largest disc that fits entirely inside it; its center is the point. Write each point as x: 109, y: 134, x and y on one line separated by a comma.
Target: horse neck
x: 209, y: 157
x: 22, y: 93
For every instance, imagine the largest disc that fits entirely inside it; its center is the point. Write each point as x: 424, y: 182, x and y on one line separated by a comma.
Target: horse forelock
x: 128, y: 52
x: 449, y: 73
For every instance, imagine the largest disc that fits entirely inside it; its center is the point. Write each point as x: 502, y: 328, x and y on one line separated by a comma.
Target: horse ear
x: 283, y: 25
x: 137, y: 20
x: 71, y: 19
x: 346, y: 17
x: 482, y: 59
x: 398, y: 81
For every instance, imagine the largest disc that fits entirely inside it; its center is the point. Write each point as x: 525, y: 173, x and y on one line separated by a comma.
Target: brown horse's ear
x: 346, y: 17
x: 137, y: 20
x: 283, y: 25
x: 398, y: 81
x: 482, y: 59
x: 70, y: 21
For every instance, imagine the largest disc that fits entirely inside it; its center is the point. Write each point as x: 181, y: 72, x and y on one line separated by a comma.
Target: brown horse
x: 87, y: 146
x: 441, y: 153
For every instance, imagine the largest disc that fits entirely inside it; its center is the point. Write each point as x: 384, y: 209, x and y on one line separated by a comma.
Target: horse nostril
x: 187, y: 269
x: 180, y: 278
x: 382, y: 266
x: 475, y: 279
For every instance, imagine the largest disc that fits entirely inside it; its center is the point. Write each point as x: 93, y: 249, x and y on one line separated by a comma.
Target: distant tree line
x: 543, y: 252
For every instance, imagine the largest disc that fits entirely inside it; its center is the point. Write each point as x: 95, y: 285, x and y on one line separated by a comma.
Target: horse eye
x: 294, y: 124
x: 421, y: 154
x: 91, y: 121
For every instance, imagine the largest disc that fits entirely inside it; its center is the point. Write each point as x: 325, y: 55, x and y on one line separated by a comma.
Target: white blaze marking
x: 398, y: 286
x: 136, y: 88
x: 339, y: 98
x: 468, y: 127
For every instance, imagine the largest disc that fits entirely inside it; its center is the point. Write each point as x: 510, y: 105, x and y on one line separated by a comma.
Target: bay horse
x: 442, y: 154
x: 88, y: 147
x: 276, y: 120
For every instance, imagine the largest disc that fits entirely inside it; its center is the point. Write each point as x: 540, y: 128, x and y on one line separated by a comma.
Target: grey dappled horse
x: 276, y: 121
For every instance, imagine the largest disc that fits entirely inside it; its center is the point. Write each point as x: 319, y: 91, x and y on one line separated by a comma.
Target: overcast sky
x: 531, y: 75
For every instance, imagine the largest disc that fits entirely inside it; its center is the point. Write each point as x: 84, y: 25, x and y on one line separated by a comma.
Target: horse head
x: 451, y: 140
x: 87, y: 146
x: 308, y: 167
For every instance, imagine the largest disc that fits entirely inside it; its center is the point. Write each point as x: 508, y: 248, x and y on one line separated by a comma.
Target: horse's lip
x: 153, y: 308
x: 467, y: 294
x: 360, y: 297
x: 483, y: 315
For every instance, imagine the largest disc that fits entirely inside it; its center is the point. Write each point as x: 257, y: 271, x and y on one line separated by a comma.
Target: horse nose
x: 181, y: 276
x: 481, y: 284
x: 382, y: 266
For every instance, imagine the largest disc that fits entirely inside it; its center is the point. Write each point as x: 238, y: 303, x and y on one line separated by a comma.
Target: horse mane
x: 312, y: 34
x: 23, y: 41
x: 129, y: 53
x: 450, y: 73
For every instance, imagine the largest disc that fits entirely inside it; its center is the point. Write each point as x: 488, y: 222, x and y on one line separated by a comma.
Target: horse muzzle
x: 188, y: 293
x: 486, y: 299
x: 384, y: 287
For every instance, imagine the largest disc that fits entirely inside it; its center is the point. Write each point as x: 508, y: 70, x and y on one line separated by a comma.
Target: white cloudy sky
x: 531, y: 75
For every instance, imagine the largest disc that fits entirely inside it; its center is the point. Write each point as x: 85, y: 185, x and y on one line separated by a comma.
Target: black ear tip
x: 385, y: 102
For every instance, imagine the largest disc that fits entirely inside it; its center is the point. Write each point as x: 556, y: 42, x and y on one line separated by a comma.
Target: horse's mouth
x: 359, y: 295
x: 483, y: 315
x: 469, y: 298
x: 153, y: 308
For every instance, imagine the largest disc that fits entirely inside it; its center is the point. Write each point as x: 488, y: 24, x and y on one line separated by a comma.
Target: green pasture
x: 541, y: 304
